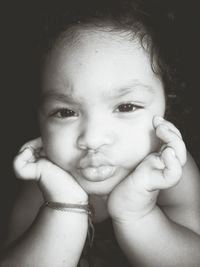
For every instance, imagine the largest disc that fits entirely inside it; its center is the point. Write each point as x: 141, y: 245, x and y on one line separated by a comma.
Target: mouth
x: 96, y: 168
x: 97, y: 173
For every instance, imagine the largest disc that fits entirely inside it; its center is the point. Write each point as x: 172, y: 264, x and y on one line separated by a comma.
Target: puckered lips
x: 96, y: 168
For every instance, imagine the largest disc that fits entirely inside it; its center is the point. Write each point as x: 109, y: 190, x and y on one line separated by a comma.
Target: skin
x: 110, y: 142
x: 89, y: 80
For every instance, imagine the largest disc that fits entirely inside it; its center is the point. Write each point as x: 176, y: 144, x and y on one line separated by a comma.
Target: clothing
x: 104, y: 251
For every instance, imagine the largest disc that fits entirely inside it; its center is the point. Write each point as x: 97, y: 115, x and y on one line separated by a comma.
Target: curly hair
x: 151, y: 22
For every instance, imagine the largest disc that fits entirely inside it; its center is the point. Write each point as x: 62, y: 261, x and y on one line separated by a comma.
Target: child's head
x: 102, y: 84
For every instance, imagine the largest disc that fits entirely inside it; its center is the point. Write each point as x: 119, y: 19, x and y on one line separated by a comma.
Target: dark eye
x: 64, y: 113
x: 127, y: 107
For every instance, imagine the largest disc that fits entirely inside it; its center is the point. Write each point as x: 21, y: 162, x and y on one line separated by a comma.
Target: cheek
x: 59, y: 146
x: 137, y: 141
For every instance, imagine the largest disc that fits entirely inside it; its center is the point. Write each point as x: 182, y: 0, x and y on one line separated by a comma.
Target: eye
x: 127, y: 107
x: 64, y: 113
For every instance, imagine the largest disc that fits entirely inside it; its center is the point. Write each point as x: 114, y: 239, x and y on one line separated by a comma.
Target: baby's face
x: 99, y: 98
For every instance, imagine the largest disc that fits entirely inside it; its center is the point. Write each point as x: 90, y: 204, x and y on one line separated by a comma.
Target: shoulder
x: 24, y: 210
x: 182, y: 202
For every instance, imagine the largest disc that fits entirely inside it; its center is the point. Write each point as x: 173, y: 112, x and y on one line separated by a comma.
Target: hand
x: 136, y: 195
x: 56, y: 184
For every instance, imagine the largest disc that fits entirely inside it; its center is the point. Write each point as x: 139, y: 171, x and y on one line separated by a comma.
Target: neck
x: 99, y: 204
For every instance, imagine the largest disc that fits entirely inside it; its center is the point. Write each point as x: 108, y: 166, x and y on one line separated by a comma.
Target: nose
x: 95, y: 134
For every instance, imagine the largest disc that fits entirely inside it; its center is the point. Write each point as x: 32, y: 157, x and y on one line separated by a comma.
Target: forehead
x: 97, y: 60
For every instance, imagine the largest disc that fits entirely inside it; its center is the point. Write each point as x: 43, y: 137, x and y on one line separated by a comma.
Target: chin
x: 98, y: 191
x: 100, y: 188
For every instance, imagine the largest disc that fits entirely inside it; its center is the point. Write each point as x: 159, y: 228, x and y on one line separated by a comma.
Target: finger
x: 25, y: 156
x: 173, y: 170
x: 36, y: 146
x: 24, y: 164
x: 166, y: 171
x: 151, y: 172
x: 153, y: 161
x: 33, y: 144
x: 157, y: 120
x: 166, y: 125
x: 170, y: 139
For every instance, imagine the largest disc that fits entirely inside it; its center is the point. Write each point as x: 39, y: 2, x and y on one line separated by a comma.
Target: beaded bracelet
x: 68, y: 207
x: 79, y: 208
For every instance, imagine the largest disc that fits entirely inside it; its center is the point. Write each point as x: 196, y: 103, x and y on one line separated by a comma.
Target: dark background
x: 18, y: 124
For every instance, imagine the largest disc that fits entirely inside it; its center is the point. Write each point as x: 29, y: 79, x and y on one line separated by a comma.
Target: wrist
x: 135, y: 207
x: 82, y: 209
x: 79, y: 200
x: 68, y: 207
x: 135, y: 217
x: 58, y: 185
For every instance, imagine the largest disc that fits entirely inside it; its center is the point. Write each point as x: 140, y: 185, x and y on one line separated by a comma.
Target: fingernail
x: 158, y: 120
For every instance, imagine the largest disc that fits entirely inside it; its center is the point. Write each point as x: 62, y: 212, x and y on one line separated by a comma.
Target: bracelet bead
x: 69, y: 207
x: 78, y: 208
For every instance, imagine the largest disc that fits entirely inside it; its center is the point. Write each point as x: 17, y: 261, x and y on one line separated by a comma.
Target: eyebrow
x: 52, y: 94
x: 133, y: 87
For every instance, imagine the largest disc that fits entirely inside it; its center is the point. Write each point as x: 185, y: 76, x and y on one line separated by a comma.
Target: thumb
x: 24, y: 165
